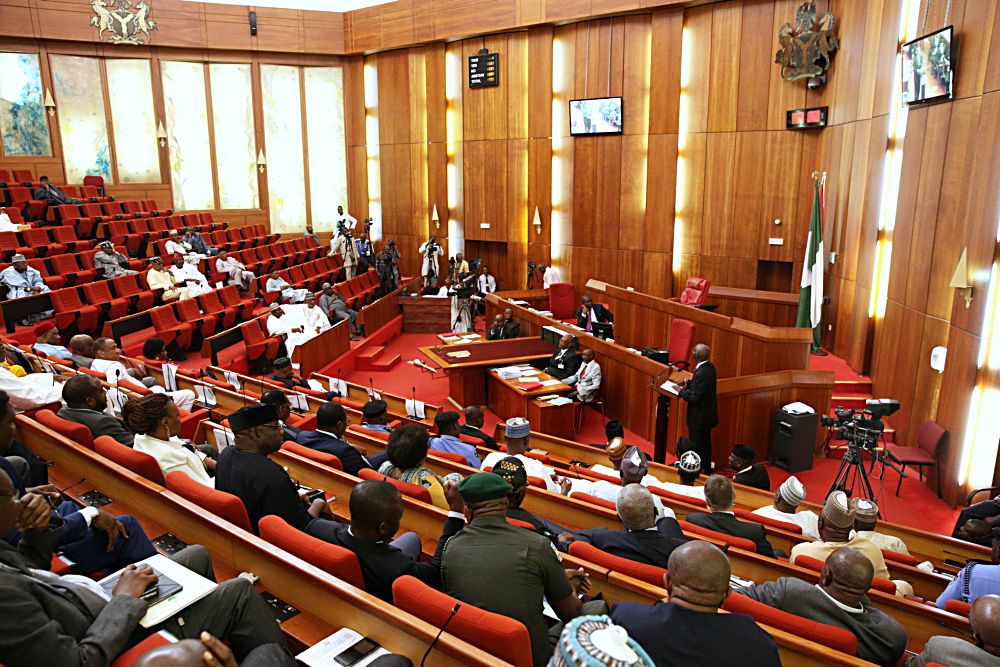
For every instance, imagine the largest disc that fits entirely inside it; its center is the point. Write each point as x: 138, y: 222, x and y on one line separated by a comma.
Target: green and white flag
x: 811, y: 286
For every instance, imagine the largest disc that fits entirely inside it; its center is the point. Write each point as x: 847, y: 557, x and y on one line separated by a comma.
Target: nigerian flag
x: 811, y: 287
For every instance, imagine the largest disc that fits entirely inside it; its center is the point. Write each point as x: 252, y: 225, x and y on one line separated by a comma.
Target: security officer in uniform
x: 376, y: 414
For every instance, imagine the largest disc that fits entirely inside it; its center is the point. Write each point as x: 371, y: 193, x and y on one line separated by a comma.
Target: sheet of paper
x: 527, y: 372
x: 315, y: 385
x: 509, y: 369
x: 461, y: 354
x: 518, y: 302
x: 298, y: 402
x: 116, y: 400
x: 561, y: 400
x: 550, y: 383
x: 233, y: 379
x: 471, y: 335
x: 223, y: 438
x: 322, y: 654
x: 206, y: 395
x: 671, y: 387
x: 528, y: 378
x: 195, y: 587
x: 338, y: 386
x: 449, y: 338
x: 548, y: 397
x: 415, y: 409
x: 170, y: 377
x: 373, y: 395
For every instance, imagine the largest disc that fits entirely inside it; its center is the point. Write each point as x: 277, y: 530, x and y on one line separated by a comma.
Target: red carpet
x: 839, y: 367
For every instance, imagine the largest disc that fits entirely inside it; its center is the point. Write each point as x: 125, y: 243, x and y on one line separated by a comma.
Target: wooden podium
x: 425, y: 314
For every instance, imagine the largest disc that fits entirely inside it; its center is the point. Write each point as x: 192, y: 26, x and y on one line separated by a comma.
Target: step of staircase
x: 384, y: 363
x: 365, y: 360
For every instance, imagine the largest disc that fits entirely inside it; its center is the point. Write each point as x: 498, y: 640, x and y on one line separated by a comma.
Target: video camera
x: 861, y: 428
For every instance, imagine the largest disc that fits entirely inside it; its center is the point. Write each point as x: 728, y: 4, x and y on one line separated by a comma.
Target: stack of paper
x: 170, y: 377
x: 298, y: 401
x: 415, y: 409
x: 461, y: 354
x: 233, y: 379
x: 324, y: 653
x: 518, y: 302
x: 338, y: 387
x: 206, y: 395
x: 223, y: 438
x: 449, y: 338
x: 560, y: 400
x: 530, y: 371
x: 551, y: 383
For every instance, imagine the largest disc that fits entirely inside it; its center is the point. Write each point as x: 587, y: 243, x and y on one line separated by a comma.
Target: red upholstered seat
x: 338, y: 561
x: 929, y: 439
x: 501, y: 636
x: 72, y: 315
x: 170, y: 329
x: 593, y: 500
x: 138, y: 462
x: 747, y: 515
x: 836, y: 638
x: 98, y: 293
x: 878, y: 583
x: 897, y: 557
x: 412, y: 490
x: 695, y: 292
x: 129, y: 286
x: 562, y: 300
x: 737, y: 542
x: 958, y: 607
x: 681, y: 342
x: 206, y: 323
x: 78, y: 433
x: 649, y: 573
x: 520, y: 524
x: 678, y: 497
x: 129, y: 657
x: 451, y: 456
x: 313, y: 455
x: 221, y: 504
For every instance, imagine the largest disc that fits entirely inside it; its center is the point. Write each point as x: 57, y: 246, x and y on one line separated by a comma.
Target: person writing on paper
x: 46, y: 619
x: 109, y: 361
x: 590, y: 312
x: 86, y: 402
x: 279, y: 400
x: 448, y: 438
x: 316, y: 322
x: 702, y: 411
x: 564, y: 362
x: 157, y: 423
x: 587, y: 379
x: 189, y: 275
x: 286, y: 323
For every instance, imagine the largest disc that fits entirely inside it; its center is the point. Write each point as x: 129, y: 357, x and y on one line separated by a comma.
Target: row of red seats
x: 87, y: 216
x: 42, y: 242
x: 311, y: 275
x: 187, y: 323
x: 22, y: 198
x: 72, y: 269
x: 233, y: 239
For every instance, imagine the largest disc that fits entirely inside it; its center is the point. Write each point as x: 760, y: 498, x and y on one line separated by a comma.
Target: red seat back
x: 681, y: 341
x: 412, y: 490
x: 649, y: 573
x: 338, y: 561
x: 930, y: 436
x: 731, y: 540
x: 501, y: 636
x: 958, y: 607
x: 832, y: 636
x: 695, y: 292
x: 593, y: 500
x: 221, y: 504
x: 138, y: 462
x: 78, y: 433
x: 562, y: 300
x: 313, y: 455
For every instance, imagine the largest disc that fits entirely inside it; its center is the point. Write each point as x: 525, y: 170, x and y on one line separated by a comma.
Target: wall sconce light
x: 435, y: 218
x: 50, y: 104
x: 161, y: 134
x: 261, y: 161
x: 960, y: 279
x: 537, y: 222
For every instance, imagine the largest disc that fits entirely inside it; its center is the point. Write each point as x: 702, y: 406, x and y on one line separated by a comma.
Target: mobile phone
x: 316, y: 494
x: 355, y: 652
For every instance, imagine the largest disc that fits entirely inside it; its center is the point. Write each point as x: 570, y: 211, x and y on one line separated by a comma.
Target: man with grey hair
x: 333, y: 304
x: 721, y: 498
x: 632, y: 470
x: 702, y: 409
x: 643, y: 537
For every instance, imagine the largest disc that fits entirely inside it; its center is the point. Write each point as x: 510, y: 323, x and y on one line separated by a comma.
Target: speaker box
x: 253, y: 23
x: 793, y: 441
x: 659, y: 354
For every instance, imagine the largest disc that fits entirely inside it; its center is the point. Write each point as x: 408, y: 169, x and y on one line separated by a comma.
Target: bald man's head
x: 474, y: 414
x: 985, y: 620
x: 376, y: 510
x: 185, y: 653
x: 700, y: 353
x: 635, y: 507
x: 847, y: 576
x: 698, y: 576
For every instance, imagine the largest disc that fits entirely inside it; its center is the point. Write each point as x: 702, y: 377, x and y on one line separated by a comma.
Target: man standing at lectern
x: 703, y: 411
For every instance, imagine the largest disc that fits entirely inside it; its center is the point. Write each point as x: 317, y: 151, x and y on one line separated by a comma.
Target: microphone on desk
x: 413, y: 393
x: 339, y: 384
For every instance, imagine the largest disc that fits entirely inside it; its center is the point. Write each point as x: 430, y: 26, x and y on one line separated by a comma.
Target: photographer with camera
x: 366, y: 251
x: 431, y: 250
x: 344, y: 244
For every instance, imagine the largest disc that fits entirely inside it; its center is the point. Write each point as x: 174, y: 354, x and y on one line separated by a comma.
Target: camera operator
x: 387, y: 266
x: 532, y: 276
x: 431, y: 250
x: 366, y: 252
x: 345, y: 221
x: 344, y: 244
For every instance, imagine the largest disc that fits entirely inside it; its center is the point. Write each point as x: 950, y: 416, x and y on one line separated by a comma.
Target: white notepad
x: 195, y: 587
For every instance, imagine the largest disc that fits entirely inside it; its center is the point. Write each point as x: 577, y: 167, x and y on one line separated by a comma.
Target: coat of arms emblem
x: 123, y: 22
x: 807, y: 48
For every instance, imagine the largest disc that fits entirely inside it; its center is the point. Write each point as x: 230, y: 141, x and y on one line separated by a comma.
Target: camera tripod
x: 852, y: 467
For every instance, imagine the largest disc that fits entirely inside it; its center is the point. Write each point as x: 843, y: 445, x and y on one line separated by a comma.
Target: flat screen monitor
x: 604, y: 330
x: 600, y: 115
x: 927, y: 68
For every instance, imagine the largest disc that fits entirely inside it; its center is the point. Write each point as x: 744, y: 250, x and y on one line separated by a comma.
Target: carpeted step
x: 863, y: 386
x: 365, y: 359
x: 853, y: 402
x: 384, y: 363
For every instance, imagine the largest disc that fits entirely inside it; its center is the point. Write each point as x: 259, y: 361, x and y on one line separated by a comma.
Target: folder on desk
x: 530, y: 386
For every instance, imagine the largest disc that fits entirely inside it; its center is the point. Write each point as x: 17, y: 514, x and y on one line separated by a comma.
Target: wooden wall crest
x: 123, y: 22
x: 807, y: 48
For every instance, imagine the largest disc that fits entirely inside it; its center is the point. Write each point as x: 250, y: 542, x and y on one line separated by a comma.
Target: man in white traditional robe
x: 316, y: 320
x: 290, y: 294
x: 176, y: 245
x: 431, y: 251
x: 32, y: 390
x: 21, y: 279
x: 190, y: 277
x: 235, y: 270
x: 290, y: 322
x: 158, y: 278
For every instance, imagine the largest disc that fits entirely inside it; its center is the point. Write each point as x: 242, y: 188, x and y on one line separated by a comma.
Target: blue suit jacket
x: 652, y: 547
x: 74, y: 525
x: 350, y: 458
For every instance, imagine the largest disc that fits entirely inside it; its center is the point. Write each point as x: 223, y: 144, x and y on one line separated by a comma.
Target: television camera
x: 862, y: 430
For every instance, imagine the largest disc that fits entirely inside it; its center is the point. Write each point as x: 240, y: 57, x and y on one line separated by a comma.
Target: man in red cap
x: 47, y: 341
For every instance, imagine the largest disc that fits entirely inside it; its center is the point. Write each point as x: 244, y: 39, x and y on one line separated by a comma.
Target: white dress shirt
x: 550, y: 276
x: 486, y: 284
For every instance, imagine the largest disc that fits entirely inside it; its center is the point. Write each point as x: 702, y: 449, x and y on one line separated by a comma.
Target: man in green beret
x: 506, y: 569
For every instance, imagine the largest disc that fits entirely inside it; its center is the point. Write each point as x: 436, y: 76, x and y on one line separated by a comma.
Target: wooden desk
x: 320, y: 350
x: 425, y: 314
x: 460, y: 339
x: 775, y: 309
x: 467, y: 376
x: 507, y: 399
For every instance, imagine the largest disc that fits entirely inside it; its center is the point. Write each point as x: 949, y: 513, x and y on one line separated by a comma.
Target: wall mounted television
x: 928, y: 72
x: 600, y: 115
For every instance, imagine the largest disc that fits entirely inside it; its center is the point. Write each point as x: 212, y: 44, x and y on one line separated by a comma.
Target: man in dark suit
x: 590, y: 312
x: 720, y: 497
x: 748, y: 472
x: 85, y: 404
x: 564, y: 362
x: 46, y: 619
x: 473, y: 426
x: 642, y: 538
x: 703, y: 410
x: 279, y: 400
x: 331, y: 423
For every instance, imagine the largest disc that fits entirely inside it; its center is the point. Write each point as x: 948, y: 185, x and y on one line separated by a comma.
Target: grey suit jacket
x: 47, y: 621
x: 953, y: 652
x: 881, y: 639
x: 99, y: 423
